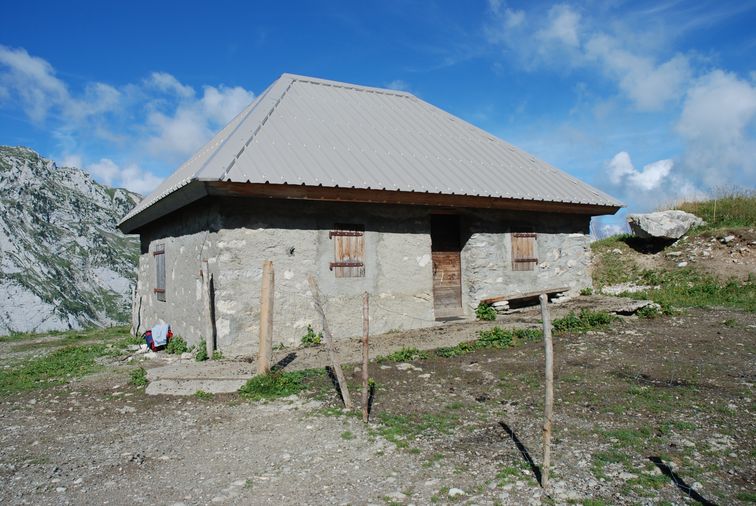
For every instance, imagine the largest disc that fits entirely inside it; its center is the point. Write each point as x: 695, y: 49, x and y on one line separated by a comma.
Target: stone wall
x: 237, y: 235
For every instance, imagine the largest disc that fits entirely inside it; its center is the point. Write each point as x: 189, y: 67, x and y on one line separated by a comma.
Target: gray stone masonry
x: 237, y: 235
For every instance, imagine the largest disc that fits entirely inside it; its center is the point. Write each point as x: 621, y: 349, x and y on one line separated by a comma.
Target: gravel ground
x: 442, y: 429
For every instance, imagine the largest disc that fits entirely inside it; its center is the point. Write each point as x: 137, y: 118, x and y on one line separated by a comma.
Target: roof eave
x: 191, y: 192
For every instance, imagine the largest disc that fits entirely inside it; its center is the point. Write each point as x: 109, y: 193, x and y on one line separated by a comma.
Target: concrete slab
x: 186, y: 377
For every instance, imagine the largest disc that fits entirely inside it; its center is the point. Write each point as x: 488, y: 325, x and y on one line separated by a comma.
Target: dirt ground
x: 674, y: 390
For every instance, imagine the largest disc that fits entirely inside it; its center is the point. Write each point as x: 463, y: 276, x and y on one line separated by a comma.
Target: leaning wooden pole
x: 548, y: 407
x: 265, y: 347
x: 329, y: 343
x: 207, y: 282
x: 365, y: 358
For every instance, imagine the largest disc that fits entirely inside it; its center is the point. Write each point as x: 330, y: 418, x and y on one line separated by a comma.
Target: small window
x: 159, y: 255
x: 348, y: 250
x: 523, y: 252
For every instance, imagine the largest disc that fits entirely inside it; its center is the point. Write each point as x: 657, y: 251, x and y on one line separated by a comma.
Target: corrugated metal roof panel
x: 310, y: 131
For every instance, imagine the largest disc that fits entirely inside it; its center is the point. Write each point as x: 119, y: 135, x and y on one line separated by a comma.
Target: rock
x: 456, y: 492
x: 727, y: 239
x: 673, y: 253
x: 663, y: 224
x: 186, y: 355
x: 682, y: 264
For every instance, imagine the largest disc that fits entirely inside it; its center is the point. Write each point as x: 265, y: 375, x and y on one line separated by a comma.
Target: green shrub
x: 201, y: 354
x: 649, y: 311
x: 586, y: 291
x: 273, y: 385
x: 404, y: 355
x: 139, y: 377
x: 485, y: 312
x: 176, y: 346
x: 311, y: 338
x: 217, y: 355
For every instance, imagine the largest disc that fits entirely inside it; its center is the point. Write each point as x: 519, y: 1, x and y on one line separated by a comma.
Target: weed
x: 404, y: 355
x: 436, y: 457
x: 747, y: 496
x: 583, y: 322
x: 347, y: 435
x: 139, y: 377
x: 650, y: 311
x: 201, y: 354
x: 273, y: 385
x: 485, y: 312
x: 730, y: 322
x: 56, y: 368
x: 176, y: 346
x: 586, y: 291
x: 311, y: 338
x: 217, y: 355
x: 201, y: 394
x: 495, y: 338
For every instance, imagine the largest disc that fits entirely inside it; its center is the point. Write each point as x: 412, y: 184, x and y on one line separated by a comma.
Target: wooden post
x: 207, y: 281
x: 329, y: 343
x: 548, y: 406
x: 365, y: 357
x: 265, y: 352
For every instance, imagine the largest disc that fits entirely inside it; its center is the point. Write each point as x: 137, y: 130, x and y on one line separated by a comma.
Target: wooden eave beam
x: 318, y: 193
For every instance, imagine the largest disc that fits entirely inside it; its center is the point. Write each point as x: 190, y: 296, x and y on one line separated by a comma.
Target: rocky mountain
x: 63, y: 264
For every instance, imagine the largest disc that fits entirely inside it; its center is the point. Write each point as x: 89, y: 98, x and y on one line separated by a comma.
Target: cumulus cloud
x: 561, y: 39
x: 158, y: 118
x: 131, y: 177
x: 717, y: 123
x: 657, y: 183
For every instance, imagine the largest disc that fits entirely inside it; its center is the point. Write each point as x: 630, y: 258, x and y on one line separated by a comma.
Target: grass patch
x: 276, y: 384
x: 729, y: 208
x: 56, y: 368
x: 138, y: 377
x: 584, y: 321
x: 687, y: 287
x: 404, y: 355
x: 347, y: 435
x: 400, y: 429
x: 202, y: 395
x: 495, y: 337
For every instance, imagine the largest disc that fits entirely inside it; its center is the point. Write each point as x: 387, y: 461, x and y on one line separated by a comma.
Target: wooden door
x: 447, y: 269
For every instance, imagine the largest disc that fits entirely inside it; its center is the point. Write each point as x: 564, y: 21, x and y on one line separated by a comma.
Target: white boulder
x: 663, y: 224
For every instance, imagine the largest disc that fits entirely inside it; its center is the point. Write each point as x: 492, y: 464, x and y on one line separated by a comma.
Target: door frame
x: 455, y: 312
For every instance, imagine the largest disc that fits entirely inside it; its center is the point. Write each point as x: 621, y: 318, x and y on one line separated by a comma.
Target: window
x: 348, y: 250
x: 159, y: 255
x: 523, y: 251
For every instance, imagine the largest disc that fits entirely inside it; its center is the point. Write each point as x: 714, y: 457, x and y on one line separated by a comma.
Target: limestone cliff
x: 63, y: 264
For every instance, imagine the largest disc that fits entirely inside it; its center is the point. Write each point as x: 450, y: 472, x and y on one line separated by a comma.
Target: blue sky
x: 650, y: 101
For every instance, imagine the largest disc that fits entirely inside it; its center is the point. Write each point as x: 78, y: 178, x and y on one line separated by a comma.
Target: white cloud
x: 131, y: 177
x: 158, y: 118
x: 33, y: 80
x: 398, y: 84
x: 562, y: 28
x: 513, y: 18
x: 621, y: 171
x: 717, y: 123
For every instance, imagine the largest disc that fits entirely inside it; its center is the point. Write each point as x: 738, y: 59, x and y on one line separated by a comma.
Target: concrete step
x: 187, y: 377
x: 189, y: 386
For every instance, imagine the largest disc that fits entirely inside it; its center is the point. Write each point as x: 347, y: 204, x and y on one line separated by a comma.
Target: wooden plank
x: 207, y: 282
x: 283, y: 191
x: 365, y: 359
x: 329, y: 342
x: 523, y: 296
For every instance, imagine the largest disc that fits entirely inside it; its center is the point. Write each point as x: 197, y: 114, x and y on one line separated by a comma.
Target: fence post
x: 265, y: 349
x: 549, y: 397
x: 365, y: 357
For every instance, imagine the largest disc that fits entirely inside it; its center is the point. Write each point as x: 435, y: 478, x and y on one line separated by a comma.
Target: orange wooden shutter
x: 523, y: 252
x: 348, y: 250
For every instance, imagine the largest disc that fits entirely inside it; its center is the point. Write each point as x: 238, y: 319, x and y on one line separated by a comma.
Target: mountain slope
x: 63, y: 264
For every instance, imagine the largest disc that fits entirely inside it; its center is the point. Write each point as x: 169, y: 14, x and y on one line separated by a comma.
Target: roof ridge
x: 351, y: 86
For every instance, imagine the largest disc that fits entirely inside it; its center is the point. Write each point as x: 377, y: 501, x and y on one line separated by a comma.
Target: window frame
x: 159, y: 256
x: 524, y: 254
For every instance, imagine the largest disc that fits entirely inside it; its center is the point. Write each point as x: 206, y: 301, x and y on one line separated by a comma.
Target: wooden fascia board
x: 302, y: 192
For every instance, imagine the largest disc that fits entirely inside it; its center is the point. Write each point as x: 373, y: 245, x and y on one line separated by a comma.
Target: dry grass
x: 728, y: 208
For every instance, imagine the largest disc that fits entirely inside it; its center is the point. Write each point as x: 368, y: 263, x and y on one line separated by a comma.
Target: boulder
x: 663, y: 224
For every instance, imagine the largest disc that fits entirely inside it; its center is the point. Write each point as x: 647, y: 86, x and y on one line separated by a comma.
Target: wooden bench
x: 523, y: 297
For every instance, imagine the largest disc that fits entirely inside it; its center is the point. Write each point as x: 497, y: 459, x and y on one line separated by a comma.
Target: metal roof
x: 308, y: 131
